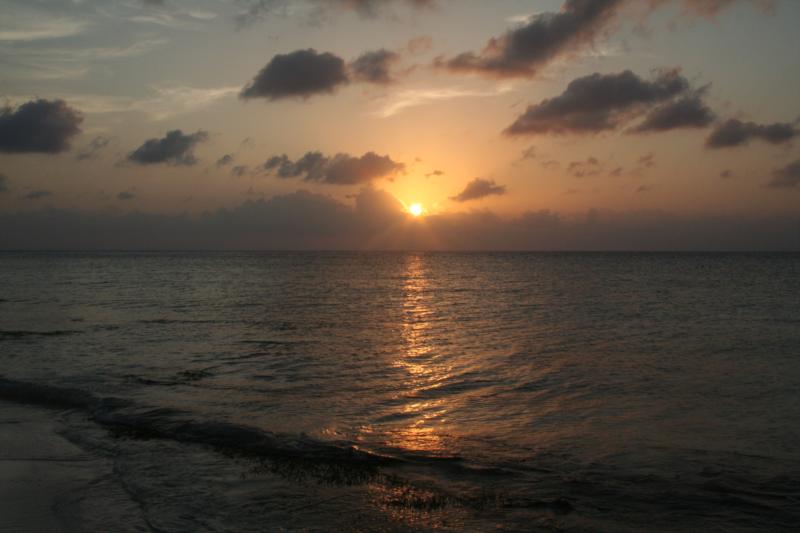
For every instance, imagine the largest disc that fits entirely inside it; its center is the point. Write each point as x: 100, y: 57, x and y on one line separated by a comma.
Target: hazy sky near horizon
x: 315, y: 123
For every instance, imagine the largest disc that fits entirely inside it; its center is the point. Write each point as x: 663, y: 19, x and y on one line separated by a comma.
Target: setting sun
x: 416, y: 209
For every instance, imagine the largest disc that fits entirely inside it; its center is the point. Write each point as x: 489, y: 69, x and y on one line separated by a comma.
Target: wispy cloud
x: 165, y: 102
x: 35, y: 29
x: 408, y: 98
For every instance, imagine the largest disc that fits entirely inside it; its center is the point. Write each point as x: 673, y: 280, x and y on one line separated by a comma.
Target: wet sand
x: 47, y: 483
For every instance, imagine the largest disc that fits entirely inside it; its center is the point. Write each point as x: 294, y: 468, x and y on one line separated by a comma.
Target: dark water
x: 397, y: 391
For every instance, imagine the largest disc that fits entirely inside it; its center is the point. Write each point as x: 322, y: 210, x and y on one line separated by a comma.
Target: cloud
x: 375, y: 66
x: 525, y: 50
x: 94, y: 147
x: 225, y: 160
x: 258, y: 10
x: 38, y: 126
x: 686, y: 112
x: 308, y: 221
x: 434, y: 173
x: 125, y: 196
x: 786, y: 177
x: 602, y: 102
x: 407, y: 98
x: 37, y: 195
x: 542, y: 38
x: 590, y: 167
x: 477, y: 189
x: 299, y: 74
x: 734, y: 132
x: 175, y: 148
x: 341, y: 169
x: 710, y: 8
x: 3, y: 183
x: 240, y: 170
x: 727, y: 174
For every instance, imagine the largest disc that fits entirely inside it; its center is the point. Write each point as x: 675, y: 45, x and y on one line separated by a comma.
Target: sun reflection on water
x: 422, y: 365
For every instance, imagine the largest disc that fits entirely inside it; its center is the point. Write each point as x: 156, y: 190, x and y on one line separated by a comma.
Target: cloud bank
x: 308, y: 221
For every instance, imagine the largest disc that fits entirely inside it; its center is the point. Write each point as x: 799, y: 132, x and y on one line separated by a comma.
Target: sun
x: 416, y: 210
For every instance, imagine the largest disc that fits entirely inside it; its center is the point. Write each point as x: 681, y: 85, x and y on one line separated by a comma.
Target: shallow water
x: 393, y: 391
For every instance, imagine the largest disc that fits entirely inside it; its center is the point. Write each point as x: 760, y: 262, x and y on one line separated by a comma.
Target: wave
x: 127, y: 418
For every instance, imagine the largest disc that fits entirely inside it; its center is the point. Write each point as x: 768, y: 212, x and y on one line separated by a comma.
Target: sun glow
x: 416, y: 209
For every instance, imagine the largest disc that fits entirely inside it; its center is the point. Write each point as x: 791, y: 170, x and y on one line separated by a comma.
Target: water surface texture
x: 399, y: 391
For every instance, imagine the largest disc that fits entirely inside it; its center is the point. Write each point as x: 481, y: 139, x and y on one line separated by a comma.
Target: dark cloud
x: 45, y: 126
x: 734, y: 132
x: 477, y: 189
x: 299, y: 74
x: 726, y: 174
x: 307, y: 221
x: 225, y: 160
x: 3, y: 183
x: 125, y: 196
x: 786, y: 177
x: 94, y: 147
x: 523, y: 51
x: 685, y: 112
x: 600, y: 102
x: 375, y: 66
x: 175, y: 148
x: 341, y: 169
x: 435, y: 173
x: 37, y: 195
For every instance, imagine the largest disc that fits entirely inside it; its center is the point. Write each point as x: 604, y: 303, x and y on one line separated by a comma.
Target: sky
x: 400, y: 124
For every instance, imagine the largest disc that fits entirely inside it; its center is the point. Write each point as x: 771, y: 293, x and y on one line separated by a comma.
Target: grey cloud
x: 477, y: 189
x: 304, y: 220
x: 734, y: 132
x: 299, y: 74
x: 37, y: 195
x: 523, y: 51
x: 94, y: 147
x: 126, y: 195
x: 786, y: 177
x: 175, y: 148
x: 3, y: 183
x: 686, y: 112
x: 599, y: 102
x: 435, y: 173
x: 225, y: 160
x: 341, y: 169
x: 45, y: 126
x: 375, y: 66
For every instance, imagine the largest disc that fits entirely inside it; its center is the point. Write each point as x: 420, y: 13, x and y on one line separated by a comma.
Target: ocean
x: 329, y: 391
